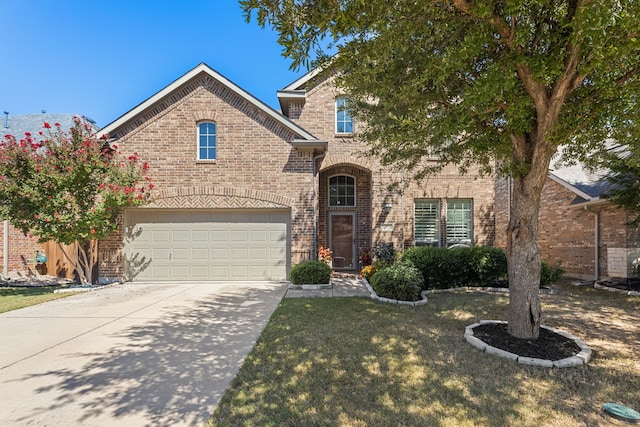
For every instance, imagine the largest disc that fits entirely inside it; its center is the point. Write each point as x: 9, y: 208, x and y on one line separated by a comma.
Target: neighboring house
x: 18, y: 250
x: 243, y: 192
x: 580, y: 231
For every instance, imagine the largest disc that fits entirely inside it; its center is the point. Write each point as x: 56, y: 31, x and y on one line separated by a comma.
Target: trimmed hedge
x: 401, y: 281
x: 311, y: 273
x: 549, y: 275
x: 475, y: 266
x: 451, y: 268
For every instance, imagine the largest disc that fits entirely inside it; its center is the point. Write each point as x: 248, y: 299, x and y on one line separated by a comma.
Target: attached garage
x: 196, y: 245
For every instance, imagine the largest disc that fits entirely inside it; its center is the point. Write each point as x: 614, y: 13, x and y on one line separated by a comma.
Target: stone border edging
x: 311, y: 287
x: 596, y: 285
x: 374, y: 295
x: 85, y: 288
x: 582, y: 358
x: 545, y: 291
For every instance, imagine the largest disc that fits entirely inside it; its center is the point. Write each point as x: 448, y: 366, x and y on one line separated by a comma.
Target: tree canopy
x: 498, y: 83
x: 69, y: 187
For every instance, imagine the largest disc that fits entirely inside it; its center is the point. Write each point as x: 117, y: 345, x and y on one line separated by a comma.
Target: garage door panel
x: 180, y: 254
x: 200, y: 254
x: 208, y: 245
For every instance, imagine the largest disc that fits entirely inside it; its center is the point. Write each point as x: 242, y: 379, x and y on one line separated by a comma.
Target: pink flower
x: 27, y: 134
x: 47, y: 125
x: 56, y: 124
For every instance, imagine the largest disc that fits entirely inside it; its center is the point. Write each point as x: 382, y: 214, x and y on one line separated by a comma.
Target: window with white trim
x: 426, y: 223
x: 207, y: 140
x: 459, y: 222
x: 342, y: 191
x: 344, y: 123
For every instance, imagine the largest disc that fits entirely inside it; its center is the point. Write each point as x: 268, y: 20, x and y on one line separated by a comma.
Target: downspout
x: 5, y: 248
x: 597, y: 243
x: 315, y: 204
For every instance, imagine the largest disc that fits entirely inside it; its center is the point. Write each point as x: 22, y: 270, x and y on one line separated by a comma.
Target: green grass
x: 356, y: 362
x: 15, y: 298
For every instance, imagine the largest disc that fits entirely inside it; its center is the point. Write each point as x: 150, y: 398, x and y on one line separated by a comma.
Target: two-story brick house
x: 243, y: 192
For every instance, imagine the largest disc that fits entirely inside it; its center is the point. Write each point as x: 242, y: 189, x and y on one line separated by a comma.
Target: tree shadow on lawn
x: 170, y: 370
x: 356, y: 362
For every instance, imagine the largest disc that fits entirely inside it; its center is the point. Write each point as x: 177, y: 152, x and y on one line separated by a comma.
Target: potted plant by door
x: 325, y: 255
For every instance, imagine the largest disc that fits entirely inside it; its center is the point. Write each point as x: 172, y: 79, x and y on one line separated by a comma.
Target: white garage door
x: 206, y: 245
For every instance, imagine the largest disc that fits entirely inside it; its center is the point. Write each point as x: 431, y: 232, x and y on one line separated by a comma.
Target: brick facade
x: 21, y: 249
x: 256, y: 166
x: 567, y: 233
x: 385, y: 213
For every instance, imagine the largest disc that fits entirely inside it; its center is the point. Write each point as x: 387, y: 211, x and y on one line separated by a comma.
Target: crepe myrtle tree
x: 69, y: 188
x: 500, y: 84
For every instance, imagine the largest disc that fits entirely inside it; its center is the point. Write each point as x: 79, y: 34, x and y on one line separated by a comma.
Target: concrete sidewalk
x: 130, y: 354
x: 342, y: 286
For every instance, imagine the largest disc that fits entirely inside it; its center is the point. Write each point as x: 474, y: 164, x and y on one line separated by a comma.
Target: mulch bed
x: 549, y: 345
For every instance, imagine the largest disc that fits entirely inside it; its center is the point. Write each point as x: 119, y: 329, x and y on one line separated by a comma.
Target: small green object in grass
x: 621, y: 412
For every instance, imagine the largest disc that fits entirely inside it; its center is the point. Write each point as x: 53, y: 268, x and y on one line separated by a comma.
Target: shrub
x: 384, y: 254
x: 483, y: 264
x: 450, y: 268
x: 401, y: 281
x: 311, y: 272
x: 549, y: 275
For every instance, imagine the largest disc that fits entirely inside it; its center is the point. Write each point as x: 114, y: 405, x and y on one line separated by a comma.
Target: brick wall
x: 255, y: 164
x: 21, y: 249
x: 393, y: 224
x: 567, y: 235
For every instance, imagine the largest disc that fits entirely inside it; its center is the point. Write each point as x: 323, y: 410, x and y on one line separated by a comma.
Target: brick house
x: 243, y: 192
x: 579, y: 231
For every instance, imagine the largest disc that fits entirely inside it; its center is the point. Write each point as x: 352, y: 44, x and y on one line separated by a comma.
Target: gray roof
x: 588, y: 185
x: 19, y: 124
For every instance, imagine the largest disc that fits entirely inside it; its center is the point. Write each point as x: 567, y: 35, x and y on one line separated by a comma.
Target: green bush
x: 450, y: 268
x: 311, y: 273
x: 401, y: 281
x: 384, y: 254
x: 549, y: 275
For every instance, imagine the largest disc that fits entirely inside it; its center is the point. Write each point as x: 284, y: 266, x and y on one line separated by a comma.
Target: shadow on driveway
x: 171, y: 370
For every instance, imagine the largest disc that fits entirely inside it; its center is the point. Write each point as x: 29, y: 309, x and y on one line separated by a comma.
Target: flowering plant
x: 368, y: 271
x: 365, y: 257
x: 325, y: 254
x: 69, y: 187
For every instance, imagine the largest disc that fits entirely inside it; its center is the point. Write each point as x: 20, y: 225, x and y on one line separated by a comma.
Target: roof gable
x: 192, y: 74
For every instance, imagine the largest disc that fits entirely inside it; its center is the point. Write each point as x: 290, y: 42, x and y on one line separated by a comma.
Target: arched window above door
x: 342, y: 191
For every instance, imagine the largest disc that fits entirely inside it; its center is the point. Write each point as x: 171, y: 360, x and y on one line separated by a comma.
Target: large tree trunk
x: 523, y: 259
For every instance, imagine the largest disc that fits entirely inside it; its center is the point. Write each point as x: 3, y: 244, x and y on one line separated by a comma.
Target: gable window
x: 206, y: 141
x: 342, y: 191
x: 344, y: 123
x: 459, y: 222
x: 427, y: 223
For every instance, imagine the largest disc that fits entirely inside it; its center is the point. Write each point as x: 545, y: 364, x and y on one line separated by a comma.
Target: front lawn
x: 356, y: 362
x: 13, y: 298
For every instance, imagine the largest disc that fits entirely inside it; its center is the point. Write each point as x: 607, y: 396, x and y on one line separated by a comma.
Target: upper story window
x: 342, y: 191
x: 206, y: 141
x: 344, y: 123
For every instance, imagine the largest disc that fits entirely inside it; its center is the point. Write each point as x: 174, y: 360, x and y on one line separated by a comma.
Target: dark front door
x: 341, y: 239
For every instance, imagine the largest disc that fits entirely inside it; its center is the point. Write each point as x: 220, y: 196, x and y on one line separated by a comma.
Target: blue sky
x: 102, y: 58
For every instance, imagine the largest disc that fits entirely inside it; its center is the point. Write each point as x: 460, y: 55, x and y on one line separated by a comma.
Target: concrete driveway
x: 130, y: 354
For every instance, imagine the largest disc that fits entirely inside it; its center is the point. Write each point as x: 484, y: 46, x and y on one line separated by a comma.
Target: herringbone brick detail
x: 213, y: 202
